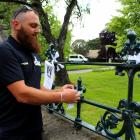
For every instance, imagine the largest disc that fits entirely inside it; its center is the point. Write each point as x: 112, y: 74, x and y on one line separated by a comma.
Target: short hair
x: 23, y: 9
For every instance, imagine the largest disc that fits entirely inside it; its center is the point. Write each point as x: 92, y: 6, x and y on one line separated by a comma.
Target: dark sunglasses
x: 23, y: 9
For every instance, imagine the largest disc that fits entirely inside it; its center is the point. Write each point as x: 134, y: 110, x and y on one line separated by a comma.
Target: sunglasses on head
x: 23, y: 9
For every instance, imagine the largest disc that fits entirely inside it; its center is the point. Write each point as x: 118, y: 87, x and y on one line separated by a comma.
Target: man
x: 20, y: 91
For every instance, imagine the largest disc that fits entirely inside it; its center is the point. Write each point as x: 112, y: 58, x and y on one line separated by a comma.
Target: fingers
x: 71, y: 96
x: 70, y: 86
x: 77, y: 97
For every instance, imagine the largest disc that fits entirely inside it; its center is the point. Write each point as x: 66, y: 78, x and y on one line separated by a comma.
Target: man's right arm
x: 30, y: 95
x: 12, y: 77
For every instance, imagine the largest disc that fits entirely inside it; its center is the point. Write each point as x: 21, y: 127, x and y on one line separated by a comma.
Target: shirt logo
x: 24, y: 63
x: 36, y: 62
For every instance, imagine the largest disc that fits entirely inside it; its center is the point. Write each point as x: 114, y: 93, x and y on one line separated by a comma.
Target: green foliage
x: 129, y: 19
x: 44, y: 47
x: 6, y: 9
x: 79, y: 47
x: 54, y: 22
x: 82, y: 47
x: 67, y: 43
x: 93, y: 44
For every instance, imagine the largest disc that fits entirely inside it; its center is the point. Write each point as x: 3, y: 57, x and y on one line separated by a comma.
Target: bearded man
x: 20, y: 91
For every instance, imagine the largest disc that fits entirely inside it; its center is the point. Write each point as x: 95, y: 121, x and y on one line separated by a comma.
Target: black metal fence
x: 127, y: 113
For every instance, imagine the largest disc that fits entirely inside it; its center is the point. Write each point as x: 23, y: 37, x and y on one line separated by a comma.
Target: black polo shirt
x: 18, y: 64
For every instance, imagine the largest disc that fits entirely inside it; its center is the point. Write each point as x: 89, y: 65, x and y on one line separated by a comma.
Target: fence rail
x: 127, y: 112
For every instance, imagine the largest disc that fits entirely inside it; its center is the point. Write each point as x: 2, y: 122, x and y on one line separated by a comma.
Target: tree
x: 59, y: 41
x: 106, y: 38
x: 79, y: 47
x: 129, y: 19
x: 55, y: 26
x: 93, y: 44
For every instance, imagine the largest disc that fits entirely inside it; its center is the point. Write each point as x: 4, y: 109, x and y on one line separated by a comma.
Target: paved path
x: 80, y: 71
x: 57, y: 128
x: 90, y: 70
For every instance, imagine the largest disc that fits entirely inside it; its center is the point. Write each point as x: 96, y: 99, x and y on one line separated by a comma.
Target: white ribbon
x: 135, y: 57
x: 49, y: 74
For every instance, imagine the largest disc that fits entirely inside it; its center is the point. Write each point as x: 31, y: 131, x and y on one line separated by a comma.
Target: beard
x: 28, y: 42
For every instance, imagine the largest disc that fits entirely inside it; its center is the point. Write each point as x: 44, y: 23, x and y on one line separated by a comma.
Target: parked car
x: 77, y: 58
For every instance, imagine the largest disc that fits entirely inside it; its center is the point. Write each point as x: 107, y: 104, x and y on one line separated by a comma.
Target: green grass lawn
x: 103, y: 87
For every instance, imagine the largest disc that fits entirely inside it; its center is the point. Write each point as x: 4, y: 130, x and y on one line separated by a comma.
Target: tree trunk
x: 44, y: 21
x: 103, y: 53
x: 62, y: 75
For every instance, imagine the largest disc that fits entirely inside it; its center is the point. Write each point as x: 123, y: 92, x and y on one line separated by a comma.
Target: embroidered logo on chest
x: 24, y: 63
x: 36, y: 62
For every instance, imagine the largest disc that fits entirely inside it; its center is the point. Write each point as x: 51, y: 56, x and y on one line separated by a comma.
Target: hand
x: 70, y: 95
x: 68, y: 86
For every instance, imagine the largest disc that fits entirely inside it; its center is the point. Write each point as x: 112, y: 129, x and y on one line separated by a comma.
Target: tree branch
x: 64, y: 29
x: 44, y: 21
x: 17, y: 1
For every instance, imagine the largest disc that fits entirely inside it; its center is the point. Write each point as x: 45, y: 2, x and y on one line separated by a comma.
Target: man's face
x: 28, y: 32
x: 28, y: 41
